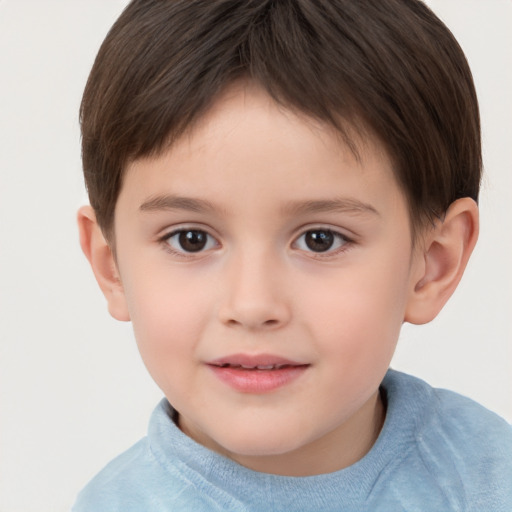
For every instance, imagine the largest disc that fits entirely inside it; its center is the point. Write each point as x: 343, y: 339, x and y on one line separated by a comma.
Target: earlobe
x: 441, y: 261
x: 101, y: 259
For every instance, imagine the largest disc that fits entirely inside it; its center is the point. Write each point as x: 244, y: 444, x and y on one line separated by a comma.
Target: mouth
x: 265, y: 367
x: 257, y: 374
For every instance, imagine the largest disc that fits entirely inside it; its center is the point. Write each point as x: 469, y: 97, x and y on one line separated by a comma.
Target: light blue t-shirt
x: 437, y: 451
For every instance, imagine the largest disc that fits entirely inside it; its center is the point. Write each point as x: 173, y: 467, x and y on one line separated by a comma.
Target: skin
x: 256, y: 178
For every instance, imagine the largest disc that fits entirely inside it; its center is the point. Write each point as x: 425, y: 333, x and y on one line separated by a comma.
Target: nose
x: 254, y: 297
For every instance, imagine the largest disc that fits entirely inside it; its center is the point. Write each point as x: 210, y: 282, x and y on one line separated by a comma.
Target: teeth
x: 258, y: 367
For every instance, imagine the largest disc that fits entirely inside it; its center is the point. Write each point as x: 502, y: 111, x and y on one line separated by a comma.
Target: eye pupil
x: 319, y: 241
x: 193, y: 240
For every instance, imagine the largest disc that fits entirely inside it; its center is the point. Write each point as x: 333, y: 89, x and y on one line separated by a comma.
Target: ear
x: 441, y: 260
x: 100, y: 256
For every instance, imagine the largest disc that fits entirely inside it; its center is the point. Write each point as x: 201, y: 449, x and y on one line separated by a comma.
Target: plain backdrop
x: 73, y: 391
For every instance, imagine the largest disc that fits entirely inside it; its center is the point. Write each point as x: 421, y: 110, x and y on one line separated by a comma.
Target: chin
x: 266, y: 443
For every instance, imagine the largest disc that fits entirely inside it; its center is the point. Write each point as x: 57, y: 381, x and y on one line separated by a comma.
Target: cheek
x: 359, y: 311
x: 168, y: 316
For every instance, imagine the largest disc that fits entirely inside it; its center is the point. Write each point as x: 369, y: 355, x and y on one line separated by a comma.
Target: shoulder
x: 121, y: 484
x: 462, y: 446
x: 463, y: 418
x: 444, y: 413
x: 141, y: 479
x: 454, y: 414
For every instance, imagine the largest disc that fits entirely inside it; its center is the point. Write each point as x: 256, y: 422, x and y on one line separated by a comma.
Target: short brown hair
x: 390, y: 64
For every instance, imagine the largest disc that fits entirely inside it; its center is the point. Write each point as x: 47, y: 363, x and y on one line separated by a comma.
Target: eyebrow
x: 171, y: 202
x: 340, y: 205
x: 344, y: 205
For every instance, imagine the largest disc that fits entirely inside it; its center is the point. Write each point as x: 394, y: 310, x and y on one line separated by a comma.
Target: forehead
x: 248, y: 147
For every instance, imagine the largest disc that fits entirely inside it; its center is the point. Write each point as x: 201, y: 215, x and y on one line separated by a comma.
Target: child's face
x: 259, y: 240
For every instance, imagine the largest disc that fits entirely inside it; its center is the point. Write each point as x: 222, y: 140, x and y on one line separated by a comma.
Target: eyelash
x: 165, y: 240
x: 345, y: 242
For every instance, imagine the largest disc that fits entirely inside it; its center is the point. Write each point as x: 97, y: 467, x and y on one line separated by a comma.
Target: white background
x: 73, y: 391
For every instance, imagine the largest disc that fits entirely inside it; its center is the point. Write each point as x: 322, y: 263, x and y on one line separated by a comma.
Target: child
x: 276, y: 186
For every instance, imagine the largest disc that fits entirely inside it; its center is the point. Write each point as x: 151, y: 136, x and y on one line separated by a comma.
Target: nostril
x: 262, y: 315
x: 253, y: 324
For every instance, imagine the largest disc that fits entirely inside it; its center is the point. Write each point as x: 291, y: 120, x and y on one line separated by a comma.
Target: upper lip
x: 260, y: 361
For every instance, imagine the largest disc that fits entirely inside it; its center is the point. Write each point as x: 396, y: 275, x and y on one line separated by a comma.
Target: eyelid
x: 168, y: 231
x: 337, y: 230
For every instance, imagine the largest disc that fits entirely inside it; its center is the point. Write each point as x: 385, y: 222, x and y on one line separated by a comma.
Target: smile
x: 256, y: 374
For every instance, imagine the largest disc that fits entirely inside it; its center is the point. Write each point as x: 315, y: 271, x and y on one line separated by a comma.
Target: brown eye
x: 193, y: 241
x: 319, y: 240
x: 190, y: 240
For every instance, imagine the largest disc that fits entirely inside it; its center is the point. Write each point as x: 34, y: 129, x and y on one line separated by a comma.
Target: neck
x: 334, y: 451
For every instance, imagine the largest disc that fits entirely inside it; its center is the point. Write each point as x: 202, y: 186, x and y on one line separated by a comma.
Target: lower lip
x: 258, y: 381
